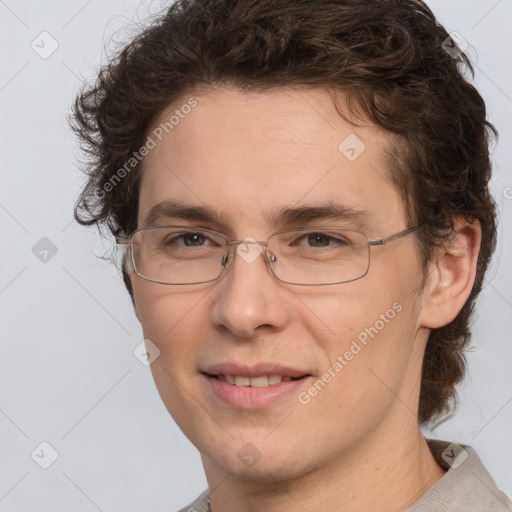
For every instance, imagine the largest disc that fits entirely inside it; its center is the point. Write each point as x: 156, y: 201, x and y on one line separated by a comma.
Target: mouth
x: 254, y: 387
x: 258, y: 381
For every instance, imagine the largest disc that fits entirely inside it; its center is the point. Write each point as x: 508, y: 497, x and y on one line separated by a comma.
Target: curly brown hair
x: 387, y: 57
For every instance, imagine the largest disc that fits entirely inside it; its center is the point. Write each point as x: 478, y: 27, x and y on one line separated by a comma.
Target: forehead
x: 248, y: 154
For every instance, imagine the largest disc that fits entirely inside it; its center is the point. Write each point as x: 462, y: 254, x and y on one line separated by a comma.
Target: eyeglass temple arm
x: 405, y: 232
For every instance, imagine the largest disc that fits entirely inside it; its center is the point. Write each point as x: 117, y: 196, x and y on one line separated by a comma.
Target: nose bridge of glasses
x: 246, y: 253
x: 247, y: 241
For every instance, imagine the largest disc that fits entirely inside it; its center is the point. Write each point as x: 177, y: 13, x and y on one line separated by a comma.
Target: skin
x: 357, y: 444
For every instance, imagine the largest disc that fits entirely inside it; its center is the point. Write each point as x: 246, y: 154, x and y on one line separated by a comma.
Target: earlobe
x: 452, y: 275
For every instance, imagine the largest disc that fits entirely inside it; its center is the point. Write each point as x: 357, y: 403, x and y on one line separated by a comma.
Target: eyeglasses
x: 308, y: 256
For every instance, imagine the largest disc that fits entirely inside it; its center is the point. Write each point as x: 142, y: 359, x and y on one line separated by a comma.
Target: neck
x: 390, y: 471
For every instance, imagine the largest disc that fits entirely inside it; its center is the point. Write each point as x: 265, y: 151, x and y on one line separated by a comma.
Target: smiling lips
x: 260, y: 381
x: 254, y: 387
x: 256, y: 375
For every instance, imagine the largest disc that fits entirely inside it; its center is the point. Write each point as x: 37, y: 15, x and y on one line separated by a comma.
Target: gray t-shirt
x: 466, y: 486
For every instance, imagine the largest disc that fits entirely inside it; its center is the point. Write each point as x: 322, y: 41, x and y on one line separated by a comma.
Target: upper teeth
x: 256, y: 382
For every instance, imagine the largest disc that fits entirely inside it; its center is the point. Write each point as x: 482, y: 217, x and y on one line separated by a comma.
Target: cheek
x: 170, y: 320
x: 351, y: 309
x: 366, y: 364
x: 368, y: 331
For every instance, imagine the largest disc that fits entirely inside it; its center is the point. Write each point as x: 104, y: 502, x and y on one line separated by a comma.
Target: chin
x: 271, y: 463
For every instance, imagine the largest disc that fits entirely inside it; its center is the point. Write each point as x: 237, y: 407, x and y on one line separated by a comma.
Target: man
x: 302, y: 189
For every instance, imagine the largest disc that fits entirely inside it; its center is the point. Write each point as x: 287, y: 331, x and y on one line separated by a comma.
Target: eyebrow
x: 279, y: 217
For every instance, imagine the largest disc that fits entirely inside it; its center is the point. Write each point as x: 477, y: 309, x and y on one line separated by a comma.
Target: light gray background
x: 67, y: 372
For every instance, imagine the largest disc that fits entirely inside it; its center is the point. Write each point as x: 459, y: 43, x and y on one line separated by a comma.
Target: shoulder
x: 201, y: 504
x: 466, y: 485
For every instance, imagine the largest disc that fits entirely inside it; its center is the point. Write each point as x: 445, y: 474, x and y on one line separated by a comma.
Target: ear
x: 452, y: 275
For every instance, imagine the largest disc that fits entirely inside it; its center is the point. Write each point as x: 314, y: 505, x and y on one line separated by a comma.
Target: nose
x: 249, y: 296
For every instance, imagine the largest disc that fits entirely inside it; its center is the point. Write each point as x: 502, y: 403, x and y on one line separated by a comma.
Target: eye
x: 320, y: 240
x: 178, y: 239
x: 189, y: 239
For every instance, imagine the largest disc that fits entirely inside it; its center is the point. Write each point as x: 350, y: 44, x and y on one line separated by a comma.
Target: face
x: 356, y: 346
